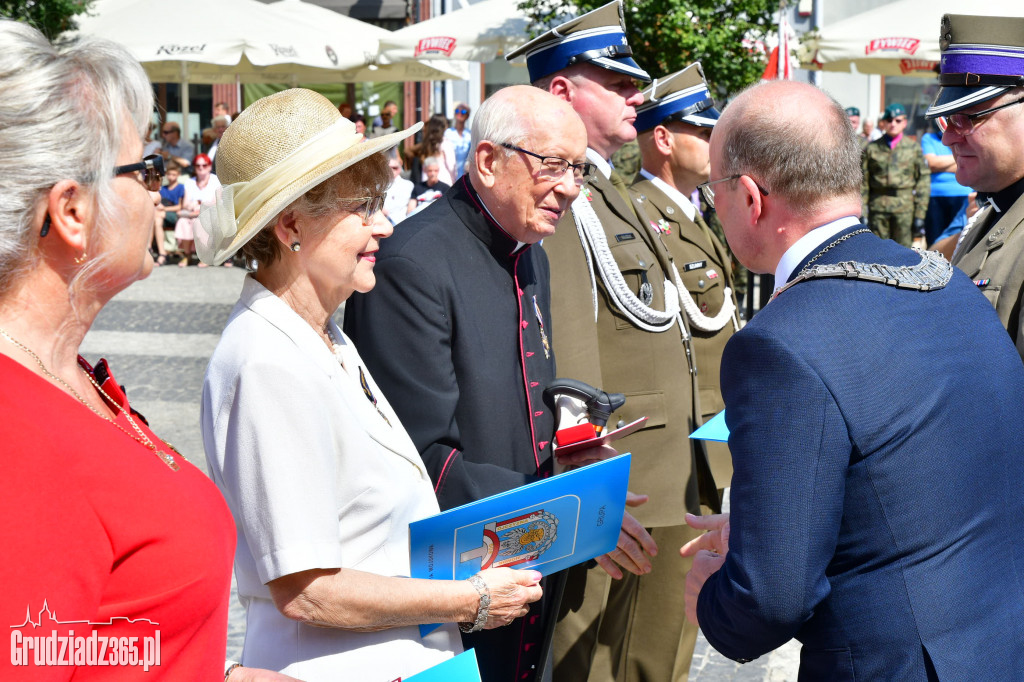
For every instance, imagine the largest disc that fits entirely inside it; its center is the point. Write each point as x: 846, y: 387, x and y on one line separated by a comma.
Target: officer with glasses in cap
x: 978, y: 109
x: 615, y: 306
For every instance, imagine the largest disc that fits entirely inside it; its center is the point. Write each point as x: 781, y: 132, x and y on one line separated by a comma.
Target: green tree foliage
x: 668, y: 35
x: 51, y: 17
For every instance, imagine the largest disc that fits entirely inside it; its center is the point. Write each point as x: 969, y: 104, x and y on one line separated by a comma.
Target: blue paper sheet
x: 461, y: 668
x: 713, y: 429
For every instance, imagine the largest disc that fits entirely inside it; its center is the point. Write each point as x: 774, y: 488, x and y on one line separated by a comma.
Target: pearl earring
x: 295, y: 246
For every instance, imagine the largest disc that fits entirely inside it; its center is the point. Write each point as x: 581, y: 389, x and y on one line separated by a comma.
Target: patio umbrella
x: 232, y: 41
x: 477, y: 33
x: 897, y: 39
x: 357, y: 35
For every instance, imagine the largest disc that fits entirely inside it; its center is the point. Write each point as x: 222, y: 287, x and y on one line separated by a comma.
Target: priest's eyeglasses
x: 555, y: 166
x: 709, y: 194
x: 963, y: 124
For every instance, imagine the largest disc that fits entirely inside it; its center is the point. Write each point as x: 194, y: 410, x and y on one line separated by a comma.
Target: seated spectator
x: 430, y: 190
x: 172, y: 196
x: 200, y: 190
x: 174, y: 148
x: 396, y: 201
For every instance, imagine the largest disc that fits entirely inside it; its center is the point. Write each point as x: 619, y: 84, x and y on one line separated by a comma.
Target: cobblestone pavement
x: 158, y: 336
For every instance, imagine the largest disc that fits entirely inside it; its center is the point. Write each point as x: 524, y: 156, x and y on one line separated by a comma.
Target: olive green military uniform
x: 704, y: 265
x: 652, y: 370
x: 994, y: 258
x: 895, y: 188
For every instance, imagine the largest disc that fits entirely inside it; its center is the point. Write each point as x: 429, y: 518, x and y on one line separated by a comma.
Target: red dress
x: 100, y: 542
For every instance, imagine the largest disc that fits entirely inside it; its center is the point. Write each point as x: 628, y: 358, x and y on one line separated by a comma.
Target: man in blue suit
x: 875, y: 410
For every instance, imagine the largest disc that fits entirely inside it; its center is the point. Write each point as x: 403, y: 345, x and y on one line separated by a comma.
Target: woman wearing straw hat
x: 113, y: 543
x: 320, y: 475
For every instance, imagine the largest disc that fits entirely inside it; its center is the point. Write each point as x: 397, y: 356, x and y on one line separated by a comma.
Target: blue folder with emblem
x: 546, y: 526
x: 461, y: 668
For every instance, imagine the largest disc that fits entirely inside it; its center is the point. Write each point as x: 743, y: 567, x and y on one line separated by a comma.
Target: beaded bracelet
x: 230, y: 669
x: 483, y: 610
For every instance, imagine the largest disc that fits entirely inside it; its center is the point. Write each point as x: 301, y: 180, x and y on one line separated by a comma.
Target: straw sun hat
x: 277, y: 149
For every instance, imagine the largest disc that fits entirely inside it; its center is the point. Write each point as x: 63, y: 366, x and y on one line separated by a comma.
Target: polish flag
x: 780, y: 66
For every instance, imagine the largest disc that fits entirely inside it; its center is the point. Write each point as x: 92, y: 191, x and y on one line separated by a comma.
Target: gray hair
x: 498, y: 121
x: 804, y: 164
x: 431, y: 161
x: 62, y: 116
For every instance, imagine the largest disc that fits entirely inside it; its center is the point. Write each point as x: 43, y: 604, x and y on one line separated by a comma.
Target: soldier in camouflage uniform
x: 897, y: 182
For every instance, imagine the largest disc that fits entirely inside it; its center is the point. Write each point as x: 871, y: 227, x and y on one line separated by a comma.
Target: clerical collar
x: 601, y: 163
x: 1004, y: 198
x: 476, y: 195
x: 680, y: 199
x: 804, y: 246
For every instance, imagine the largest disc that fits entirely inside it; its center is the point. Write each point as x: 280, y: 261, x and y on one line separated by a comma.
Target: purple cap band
x: 967, y: 60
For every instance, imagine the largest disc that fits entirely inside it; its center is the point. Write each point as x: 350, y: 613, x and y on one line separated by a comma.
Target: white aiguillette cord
x: 595, y: 247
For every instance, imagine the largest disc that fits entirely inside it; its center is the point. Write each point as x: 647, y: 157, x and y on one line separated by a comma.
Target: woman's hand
x: 511, y: 593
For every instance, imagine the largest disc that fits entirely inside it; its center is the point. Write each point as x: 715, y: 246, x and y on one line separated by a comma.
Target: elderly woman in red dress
x: 113, y: 543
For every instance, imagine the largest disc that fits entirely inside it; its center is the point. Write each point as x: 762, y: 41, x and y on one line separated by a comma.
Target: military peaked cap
x: 982, y: 57
x: 598, y: 37
x: 681, y: 96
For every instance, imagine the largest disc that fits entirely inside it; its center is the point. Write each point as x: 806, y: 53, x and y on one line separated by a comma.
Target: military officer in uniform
x: 618, y: 325
x: 897, y: 182
x: 674, y: 126
x: 979, y: 108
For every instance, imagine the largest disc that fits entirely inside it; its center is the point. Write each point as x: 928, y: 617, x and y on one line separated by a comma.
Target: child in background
x: 172, y: 195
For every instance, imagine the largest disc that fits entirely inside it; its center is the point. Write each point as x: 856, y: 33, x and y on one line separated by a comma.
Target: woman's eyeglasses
x: 709, y: 194
x: 555, y: 166
x: 149, y: 171
x: 963, y: 124
x: 366, y: 207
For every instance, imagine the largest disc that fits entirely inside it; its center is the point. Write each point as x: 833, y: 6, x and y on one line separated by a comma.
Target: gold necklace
x: 142, y: 438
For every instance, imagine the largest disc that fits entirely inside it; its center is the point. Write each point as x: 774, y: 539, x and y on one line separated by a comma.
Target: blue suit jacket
x: 877, y: 508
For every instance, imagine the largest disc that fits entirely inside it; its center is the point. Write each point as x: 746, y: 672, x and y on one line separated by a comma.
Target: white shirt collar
x: 808, y: 243
x: 602, y: 164
x: 680, y: 199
